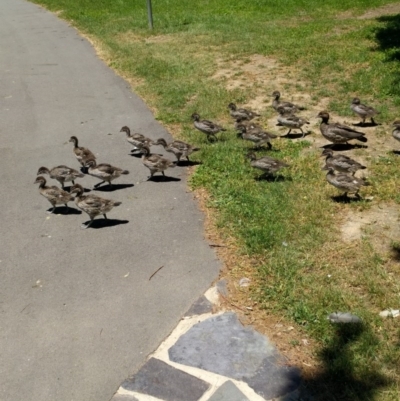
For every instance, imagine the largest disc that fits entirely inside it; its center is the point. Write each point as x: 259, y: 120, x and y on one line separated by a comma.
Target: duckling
x: 341, y: 163
x: 287, y: 106
x: 61, y: 173
x: 269, y: 165
x: 256, y: 135
x: 104, y: 171
x: 396, y: 131
x: 241, y: 113
x: 338, y: 133
x: 136, y: 140
x: 290, y: 120
x: 155, y: 163
x: 207, y: 127
x: 345, y: 182
x: 178, y: 148
x: 82, y: 154
x: 363, y: 111
x: 91, y: 204
x: 56, y: 196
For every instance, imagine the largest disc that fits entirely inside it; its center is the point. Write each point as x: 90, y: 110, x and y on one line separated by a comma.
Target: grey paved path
x: 78, y: 313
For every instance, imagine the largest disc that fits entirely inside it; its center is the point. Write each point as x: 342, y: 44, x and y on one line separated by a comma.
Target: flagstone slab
x: 222, y: 345
x: 201, y: 306
x: 228, y: 392
x: 160, y: 380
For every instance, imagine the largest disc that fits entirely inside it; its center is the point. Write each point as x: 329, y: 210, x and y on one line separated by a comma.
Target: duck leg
x: 290, y: 130
x: 66, y: 205
x: 97, y: 185
x: 105, y: 216
x: 52, y: 210
x: 302, y: 132
x: 84, y: 226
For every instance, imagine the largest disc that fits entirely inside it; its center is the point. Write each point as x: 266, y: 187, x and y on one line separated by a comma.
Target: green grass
x: 289, y: 226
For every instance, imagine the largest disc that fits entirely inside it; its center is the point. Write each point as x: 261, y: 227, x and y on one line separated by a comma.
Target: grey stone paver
x: 222, y: 345
x: 160, y: 380
x: 202, y: 305
x: 274, y: 379
x: 228, y: 392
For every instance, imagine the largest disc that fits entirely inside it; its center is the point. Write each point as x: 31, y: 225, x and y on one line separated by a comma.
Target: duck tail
x: 362, y: 139
x: 196, y: 149
x: 117, y: 203
x: 126, y: 172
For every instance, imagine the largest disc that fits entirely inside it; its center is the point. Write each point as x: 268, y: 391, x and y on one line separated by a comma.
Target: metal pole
x: 150, y: 14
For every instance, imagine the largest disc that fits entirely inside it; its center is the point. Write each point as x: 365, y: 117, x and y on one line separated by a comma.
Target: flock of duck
x: 341, y: 168
x: 92, y: 204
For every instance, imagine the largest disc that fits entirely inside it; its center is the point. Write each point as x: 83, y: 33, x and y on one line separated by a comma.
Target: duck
x: 155, y: 163
x: 62, y: 174
x: 82, y: 154
x: 344, y: 182
x: 92, y: 204
x: 269, y: 165
x: 241, y: 113
x: 56, y: 196
x: 287, y: 106
x: 256, y: 135
x: 136, y: 140
x: 104, y: 171
x: 363, y: 111
x: 178, y: 148
x: 207, y: 127
x: 338, y: 133
x: 341, y: 163
x: 291, y: 121
x: 396, y: 131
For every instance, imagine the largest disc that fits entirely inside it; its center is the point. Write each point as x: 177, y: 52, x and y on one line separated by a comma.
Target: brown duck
x: 62, y: 174
x: 82, y: 154
x: 338, y: 133
x: 56, y: 196
x: 155, y: 163
x: 91, y: 204
x: 105, y: 172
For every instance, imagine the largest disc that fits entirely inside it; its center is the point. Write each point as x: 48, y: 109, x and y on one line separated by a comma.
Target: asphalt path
x: 78, y: 313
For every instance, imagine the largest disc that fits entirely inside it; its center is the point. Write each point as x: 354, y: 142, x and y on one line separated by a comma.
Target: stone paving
x: 213, y: 357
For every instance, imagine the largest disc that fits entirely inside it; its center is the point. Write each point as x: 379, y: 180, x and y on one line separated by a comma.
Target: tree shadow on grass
x: 387, y: 37
x: 340, y: 379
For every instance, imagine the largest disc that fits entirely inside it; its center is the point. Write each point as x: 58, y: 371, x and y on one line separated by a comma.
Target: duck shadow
x: 163, y: 178
x: 346, y: 199
x: 272, y: 178
x: 113, y: 187
x: 396, y: 152
x: 187, y: 163
x: 296, y: 135
x: 65, y: 210
x: 102, y: 223
x: 68, y: 189
x: 136, y: 154
x: 366, y: 124
x: 344, y: 146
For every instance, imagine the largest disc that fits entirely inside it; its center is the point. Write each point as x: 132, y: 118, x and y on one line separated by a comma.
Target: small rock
x: 244, y: 282
x: 390, y: 313
x: 343, y: 317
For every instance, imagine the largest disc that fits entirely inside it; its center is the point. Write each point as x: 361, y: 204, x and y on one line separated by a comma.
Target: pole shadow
x: 340, y: 379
